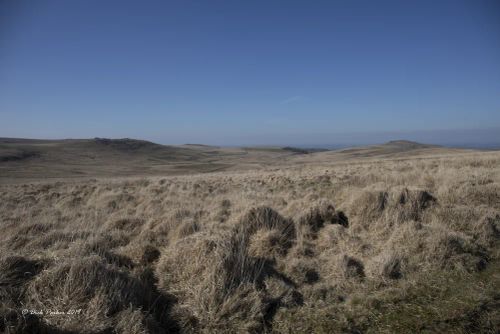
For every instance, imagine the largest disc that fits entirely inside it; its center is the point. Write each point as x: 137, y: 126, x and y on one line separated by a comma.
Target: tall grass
x: 382, y: 246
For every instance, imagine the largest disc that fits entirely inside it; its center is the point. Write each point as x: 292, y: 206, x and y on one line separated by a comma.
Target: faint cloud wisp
x: 293, y: 99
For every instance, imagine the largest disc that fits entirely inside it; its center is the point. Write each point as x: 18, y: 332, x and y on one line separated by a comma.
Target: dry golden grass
x: 371, y: 246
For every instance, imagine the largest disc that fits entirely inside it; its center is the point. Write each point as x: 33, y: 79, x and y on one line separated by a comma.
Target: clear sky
x: 249, y: 72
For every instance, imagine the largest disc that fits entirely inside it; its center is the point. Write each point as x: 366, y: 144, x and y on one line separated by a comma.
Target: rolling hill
x: 102, y: 157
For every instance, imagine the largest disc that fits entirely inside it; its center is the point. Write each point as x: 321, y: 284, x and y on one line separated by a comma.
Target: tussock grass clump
x: 310, y: 225
x: 263, y: 218
x: 268, y: 244
x: 15, y: 271
x: 322, y: 214
x: 391, y: 267
x: 352, y: 267
x: 453, y: 250
x: 331, y: 238
x: 490, y: 230
x: 104, y: 246
x: 198, y: 271
x: 411, y: 204
x: 396, y: 206
x: 222, y: 279
x: 369, y: 205
x: 303, y: 271
x: 22, y: 235
x: 388, y: 265
x: 149, y: 254
x: 187, y: 228
x: 102, y: 292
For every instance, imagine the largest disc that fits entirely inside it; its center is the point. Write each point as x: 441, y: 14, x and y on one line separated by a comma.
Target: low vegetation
x: 407, y: 245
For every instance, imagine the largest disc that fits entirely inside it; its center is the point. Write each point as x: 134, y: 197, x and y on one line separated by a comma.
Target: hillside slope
x: 22, y: 159
x: 98, y: 157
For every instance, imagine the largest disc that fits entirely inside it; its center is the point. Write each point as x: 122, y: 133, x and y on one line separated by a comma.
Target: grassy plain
x: 395, y: 238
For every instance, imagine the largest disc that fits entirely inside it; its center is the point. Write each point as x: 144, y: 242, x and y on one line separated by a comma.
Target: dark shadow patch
x: 150, y: 254
x: 352, y: 267
x: 15, y: 272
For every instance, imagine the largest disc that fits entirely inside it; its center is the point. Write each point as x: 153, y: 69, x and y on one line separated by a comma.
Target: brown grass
x: 374, y: 246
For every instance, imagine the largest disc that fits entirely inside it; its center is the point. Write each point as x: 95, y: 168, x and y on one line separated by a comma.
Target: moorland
x: 128, y: 236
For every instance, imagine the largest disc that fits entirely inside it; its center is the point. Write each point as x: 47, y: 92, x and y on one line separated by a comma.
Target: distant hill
x: 126, y: 144
x: 82, y: 149
x: 33, y: 158
x: 304, y: 150
x: 389, y: 148
x: 407, y: 144
x: 41, y: 159
x: 92, y: 157
x: 201, y: 145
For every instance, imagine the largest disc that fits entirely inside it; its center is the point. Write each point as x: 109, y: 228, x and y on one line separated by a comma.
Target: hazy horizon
x: 464, y: 138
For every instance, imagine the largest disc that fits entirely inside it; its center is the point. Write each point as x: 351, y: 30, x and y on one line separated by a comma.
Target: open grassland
x: 23, y: 160
x: 407, y: 245
x: 33, y: 159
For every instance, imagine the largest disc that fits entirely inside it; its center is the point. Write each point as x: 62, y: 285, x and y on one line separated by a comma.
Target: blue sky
x: 250, y: 72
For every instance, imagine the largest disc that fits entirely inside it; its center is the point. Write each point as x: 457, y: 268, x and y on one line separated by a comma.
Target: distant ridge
x: 200, y: 145
x: 409, y: 144
x: 126, y: 144
x: 393, y: 149
x: 303, y: 150
x: 125, y: 156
